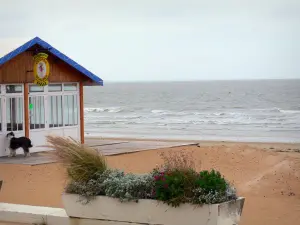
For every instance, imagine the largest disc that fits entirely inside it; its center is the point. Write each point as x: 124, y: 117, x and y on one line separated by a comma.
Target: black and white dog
x: 15, y: 143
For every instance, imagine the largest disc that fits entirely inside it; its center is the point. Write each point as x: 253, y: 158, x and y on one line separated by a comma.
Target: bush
x: 81, y: 161
x: 90, y: 189
x: 174, y: 187
x: 175, y: 182
x: 212, y: 188
x: 178, y: 182
x: 116, y: 184
x: 211, y: 181
x: 128, y: 187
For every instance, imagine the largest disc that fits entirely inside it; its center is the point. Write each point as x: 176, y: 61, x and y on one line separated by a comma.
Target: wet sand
x: 268, y: 175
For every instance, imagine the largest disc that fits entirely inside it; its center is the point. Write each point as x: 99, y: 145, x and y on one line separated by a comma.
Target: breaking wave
x: 108, y: 109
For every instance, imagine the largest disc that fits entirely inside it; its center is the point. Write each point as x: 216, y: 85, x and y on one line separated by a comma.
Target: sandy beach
x: 267, y: 174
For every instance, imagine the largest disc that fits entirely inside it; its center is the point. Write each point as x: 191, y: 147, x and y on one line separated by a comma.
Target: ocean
x: 258, y: 110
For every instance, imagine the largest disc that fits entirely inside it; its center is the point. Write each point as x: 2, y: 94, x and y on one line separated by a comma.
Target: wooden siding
x: 20, y: 70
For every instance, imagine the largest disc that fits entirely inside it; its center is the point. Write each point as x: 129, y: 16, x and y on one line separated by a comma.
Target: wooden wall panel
x: 20, y: 70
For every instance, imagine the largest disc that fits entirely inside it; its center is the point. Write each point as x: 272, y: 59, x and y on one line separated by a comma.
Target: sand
x: 268, y: 175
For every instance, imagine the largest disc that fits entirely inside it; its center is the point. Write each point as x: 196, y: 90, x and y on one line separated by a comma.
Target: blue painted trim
x: 55, y: 52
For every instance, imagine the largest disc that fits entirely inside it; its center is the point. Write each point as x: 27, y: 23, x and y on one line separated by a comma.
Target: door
x: 37, y: 117
x: 11, y: 114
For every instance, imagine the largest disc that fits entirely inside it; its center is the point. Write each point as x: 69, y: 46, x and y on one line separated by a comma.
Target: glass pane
x: 70, y: 87
x: 50, y: 111
x: 59, y: 111
x: 54, y: 105
x: 42, y: 112
x: 55, y: 87
x: 14, y: 114
x: 20, y: 113
x: 66, y: 111
x: 76, y: 110
x: 37, y: 112
x: 14, y: 89
x: 71, y: 109
x: 31, y: 113
x: 55, y: 111
x: 36, y: 88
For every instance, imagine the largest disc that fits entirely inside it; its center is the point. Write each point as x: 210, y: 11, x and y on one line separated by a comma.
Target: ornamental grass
x: 81, y: 161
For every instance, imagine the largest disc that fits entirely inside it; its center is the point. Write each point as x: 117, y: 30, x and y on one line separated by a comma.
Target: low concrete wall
x: 219, y: 214
x: 154, y: 212
x: 13, y: 214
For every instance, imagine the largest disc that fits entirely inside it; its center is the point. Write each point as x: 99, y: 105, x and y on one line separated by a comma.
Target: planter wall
x: 154, y: 212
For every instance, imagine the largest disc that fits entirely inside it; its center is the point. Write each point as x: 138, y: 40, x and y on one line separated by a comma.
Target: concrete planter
x: 153, y: 212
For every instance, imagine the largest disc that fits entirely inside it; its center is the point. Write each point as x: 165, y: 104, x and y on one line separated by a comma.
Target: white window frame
x: 44, y: 95
x: 63, y: 93
x: 3, y: 98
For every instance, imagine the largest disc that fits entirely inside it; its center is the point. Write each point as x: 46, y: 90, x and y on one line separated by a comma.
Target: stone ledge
x: 14, y: 214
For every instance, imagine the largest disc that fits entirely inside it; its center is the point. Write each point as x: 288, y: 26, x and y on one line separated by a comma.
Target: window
x: 55, y: 111
x: 14, y: 114
x: 14, y: 89
x: 55, y: 87
x: 36, y: 88
x: 70, y: 110
x: 70, y: 87
x: 37, y: 112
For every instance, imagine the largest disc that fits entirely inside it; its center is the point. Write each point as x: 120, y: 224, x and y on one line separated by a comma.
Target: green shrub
x: 115, y: 184
x: 212, y: 188
x: 174, y: 187
x: 90, y: 189
x: 210, y: 181
x: 175, y: 182
x: 129, y: 187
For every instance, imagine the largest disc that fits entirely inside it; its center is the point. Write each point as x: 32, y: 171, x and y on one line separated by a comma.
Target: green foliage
x: 210, y: 181
x: 174, y: 187
x: 89, y: 189
x: 174, y: 183
x: 212, y: 188
x: 116, y: 184
x: 129, y: 187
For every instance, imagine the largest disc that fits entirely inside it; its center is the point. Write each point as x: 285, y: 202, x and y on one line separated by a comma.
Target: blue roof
x: 55, y: 52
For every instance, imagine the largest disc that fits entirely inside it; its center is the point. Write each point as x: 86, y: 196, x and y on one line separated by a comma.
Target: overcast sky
x: 139, y: 40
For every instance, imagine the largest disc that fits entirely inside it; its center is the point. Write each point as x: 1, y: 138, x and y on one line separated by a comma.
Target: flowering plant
x: 174, y: 187
x: 175, y: 182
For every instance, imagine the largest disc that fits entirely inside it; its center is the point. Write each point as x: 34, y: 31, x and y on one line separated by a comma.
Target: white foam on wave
x: 274, y: 109
x: 168, y: 112
x: 290, y: 111
x: 107, y: 109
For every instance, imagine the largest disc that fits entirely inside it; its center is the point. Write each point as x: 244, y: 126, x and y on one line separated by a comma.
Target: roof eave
x: 48, y: 47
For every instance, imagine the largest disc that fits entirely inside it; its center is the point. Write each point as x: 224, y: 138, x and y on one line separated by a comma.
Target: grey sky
x: 128, y: 40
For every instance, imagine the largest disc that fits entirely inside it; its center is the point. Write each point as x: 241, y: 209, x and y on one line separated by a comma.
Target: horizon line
x: 156, y: 81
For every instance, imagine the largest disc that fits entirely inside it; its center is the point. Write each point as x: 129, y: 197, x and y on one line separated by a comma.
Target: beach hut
x: 41, y: 93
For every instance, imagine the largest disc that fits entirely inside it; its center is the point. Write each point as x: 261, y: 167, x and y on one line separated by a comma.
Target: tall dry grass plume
x: 179, y: 160
x: 82, y: 162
